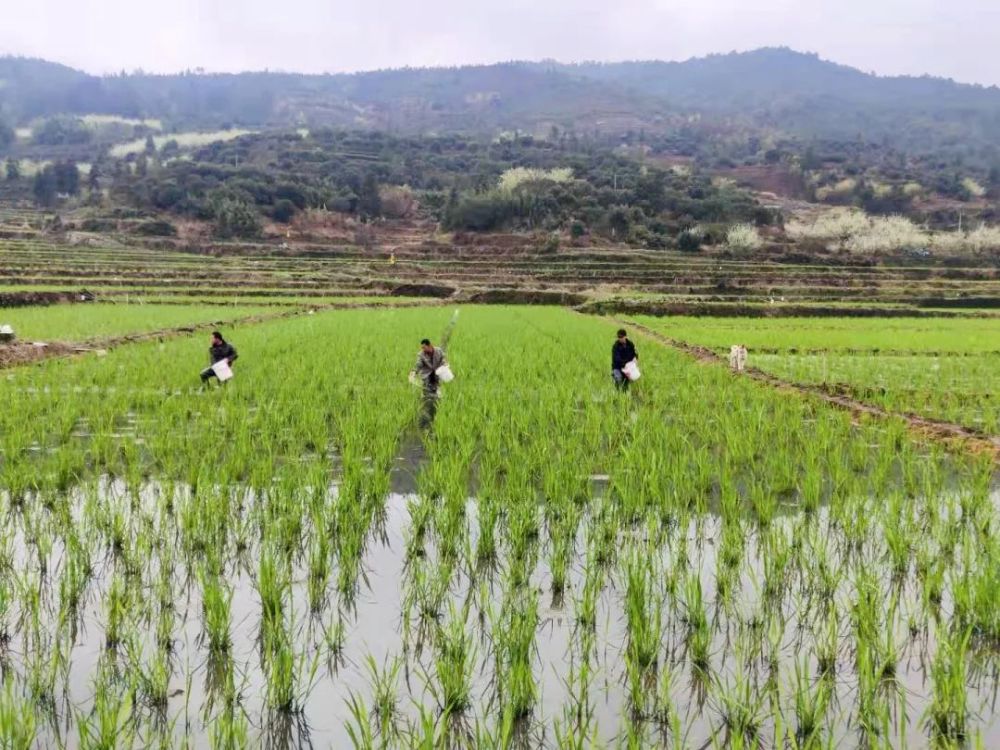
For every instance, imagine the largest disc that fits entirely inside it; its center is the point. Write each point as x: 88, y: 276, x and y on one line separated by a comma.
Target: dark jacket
x: 427, y: 365
x: 622, y: 354
x: 219, y: 352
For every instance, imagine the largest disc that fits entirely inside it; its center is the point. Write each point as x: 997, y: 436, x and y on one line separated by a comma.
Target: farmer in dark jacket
x: 622, y: 352
x: 219, y: 350
x: 429, y: 359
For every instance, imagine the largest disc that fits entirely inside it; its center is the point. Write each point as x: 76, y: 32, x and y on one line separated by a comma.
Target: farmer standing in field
x: 220, y: 350
x: 622, y: 352
x: 429, y: 360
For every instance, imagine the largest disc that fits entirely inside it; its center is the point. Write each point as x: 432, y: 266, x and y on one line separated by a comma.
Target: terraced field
x: 323, y: 272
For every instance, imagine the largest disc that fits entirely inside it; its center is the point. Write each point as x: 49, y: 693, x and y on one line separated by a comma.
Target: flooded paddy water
x: 378, y: 642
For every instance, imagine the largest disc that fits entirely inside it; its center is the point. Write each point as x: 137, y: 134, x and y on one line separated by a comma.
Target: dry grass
x: 514, y: 178
x: 184, y: 140
x: 98, y: 120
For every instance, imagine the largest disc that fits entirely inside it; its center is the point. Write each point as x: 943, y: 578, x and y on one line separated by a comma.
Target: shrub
x: 156, y: 228
x: 236, y: 218
x: 61, y: 131
x: 283, y: 211
x: 886, y: 234
x: 689, y: 241
x: 397, y: 202
x: 743, y: 238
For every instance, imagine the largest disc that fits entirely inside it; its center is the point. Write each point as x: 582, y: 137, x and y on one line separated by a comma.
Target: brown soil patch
x: 526, y: 297
x: 26, y: 299
x: 423, y: 290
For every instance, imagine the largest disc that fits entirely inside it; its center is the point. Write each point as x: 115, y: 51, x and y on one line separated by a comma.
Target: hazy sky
x: 953, y: 38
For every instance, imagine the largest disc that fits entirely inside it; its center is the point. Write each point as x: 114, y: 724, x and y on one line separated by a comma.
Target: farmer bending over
x: 429, y: 359
x: 622, y: 352
x: 219, y: 350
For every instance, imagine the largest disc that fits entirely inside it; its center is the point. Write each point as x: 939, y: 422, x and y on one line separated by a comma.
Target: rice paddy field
x: 85, y: 322
x: 291, y: 561
x: 946, y: 369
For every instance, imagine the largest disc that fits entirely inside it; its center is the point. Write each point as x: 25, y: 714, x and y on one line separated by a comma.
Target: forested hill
x: 773, y: 91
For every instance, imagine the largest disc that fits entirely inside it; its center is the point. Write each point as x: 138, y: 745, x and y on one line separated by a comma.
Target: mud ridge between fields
x: 949, y: 432
x: 26, y: 352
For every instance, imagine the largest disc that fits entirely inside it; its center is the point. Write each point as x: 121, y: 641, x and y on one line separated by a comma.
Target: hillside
x: 772, y: 91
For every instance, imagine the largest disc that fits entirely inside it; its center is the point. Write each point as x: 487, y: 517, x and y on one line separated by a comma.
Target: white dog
x: 737, y: 358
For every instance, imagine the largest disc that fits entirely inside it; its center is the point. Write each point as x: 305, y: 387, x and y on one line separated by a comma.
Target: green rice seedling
x: 273, y: 586
x: 45, y: 666
x: 947, y: 715
x: 454, y: 662
x: 107, y: 726
x: 291, y: 676
x: 359, y: 728
x: 149, y: 681
x: 18, y: 724
x: 514, y: 637
x: 116, y: 612
x: 643, y: 610
x: 585, y: 605
x: 558, y: 563
x: 812, y: 701
x: 217, y: 601
x: 742, y: 710
x: 229, y: 730
x: 699, y: 637
x: 335, y: 636
x: 319, y: 571
x: 827, y: 647
x: 570, y: 735
x: 381, y: 719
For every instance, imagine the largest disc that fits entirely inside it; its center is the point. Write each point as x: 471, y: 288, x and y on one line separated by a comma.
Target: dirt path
x: 954, y: 435
x: 24, y: 352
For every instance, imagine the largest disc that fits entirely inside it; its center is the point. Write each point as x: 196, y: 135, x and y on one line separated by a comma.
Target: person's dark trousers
x: 430, y: 404
x: 207, y: 374
x: 621, y: 382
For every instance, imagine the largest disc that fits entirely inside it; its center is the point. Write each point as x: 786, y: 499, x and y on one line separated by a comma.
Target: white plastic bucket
x: 444, y: 373
x: 631, y: 370
x: 222, y: 370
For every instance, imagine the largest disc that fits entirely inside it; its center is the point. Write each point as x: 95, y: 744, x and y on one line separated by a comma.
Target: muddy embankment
x: 28, y: 299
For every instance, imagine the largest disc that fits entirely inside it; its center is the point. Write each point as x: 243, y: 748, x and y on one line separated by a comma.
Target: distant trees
x: 689, y: 241
x: 369, y: 200
x: 13, y: 168
x: 235, y: 218
x: 54, y: 180
x: 466, y: 184
x: 61, y: 131
x: 7, y: 135
x: 44, y: 187
x: 283, y: 211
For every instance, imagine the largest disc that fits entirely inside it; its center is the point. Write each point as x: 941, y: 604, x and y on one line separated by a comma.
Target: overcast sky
x: 952, y: 38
